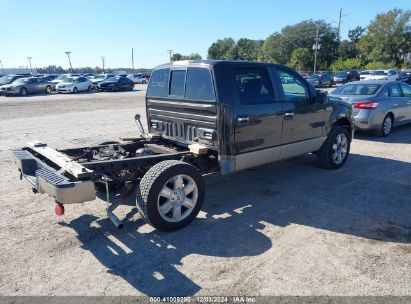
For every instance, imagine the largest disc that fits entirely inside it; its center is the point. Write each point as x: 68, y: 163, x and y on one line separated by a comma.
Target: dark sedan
x: 405, y: 77
x: 116, y: 83
x: 320, y: 80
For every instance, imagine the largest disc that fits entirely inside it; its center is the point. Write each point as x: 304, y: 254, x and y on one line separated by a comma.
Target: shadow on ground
x: 368, y: 198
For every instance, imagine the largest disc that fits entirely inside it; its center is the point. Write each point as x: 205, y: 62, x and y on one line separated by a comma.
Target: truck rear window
x: 195, y: 83
x: 158, y: 86
x: 199, y: 85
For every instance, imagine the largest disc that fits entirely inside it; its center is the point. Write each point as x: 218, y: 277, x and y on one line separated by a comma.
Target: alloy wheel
x: 340, y: 148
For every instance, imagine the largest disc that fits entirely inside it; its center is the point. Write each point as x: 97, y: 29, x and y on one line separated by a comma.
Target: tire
x: 144, y: 82
x: 155, y: 193
x: 23, y: 92
x: 48, y: 89
x: 89, y: 89
x: 332, y: 155
x: 75, y: 90
x: 386, y: 126
x: 116, y: 89
x: 320, y: 85
x: 330, y: 85
x: 131, y: 88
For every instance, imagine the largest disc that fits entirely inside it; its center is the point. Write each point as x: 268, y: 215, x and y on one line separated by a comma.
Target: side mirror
x: 321, y: 97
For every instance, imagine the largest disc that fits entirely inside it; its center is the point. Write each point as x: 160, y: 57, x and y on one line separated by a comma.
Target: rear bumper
x: 366, y: 120
x: 45, y: 179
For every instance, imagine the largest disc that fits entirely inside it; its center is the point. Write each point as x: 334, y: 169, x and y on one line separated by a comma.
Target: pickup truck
x: 203, y: 117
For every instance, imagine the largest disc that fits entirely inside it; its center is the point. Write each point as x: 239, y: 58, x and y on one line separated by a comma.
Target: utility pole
x: 171, y: 53
x: 102, y: 59
x: 316, y: 47
x: 339, y: 25
x: 132, y: 58
x: 31, y: 70
x: 68, y: 55
x: 1, y: 63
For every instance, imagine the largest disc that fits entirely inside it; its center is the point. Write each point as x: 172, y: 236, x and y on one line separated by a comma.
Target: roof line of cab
x: 208, y: 62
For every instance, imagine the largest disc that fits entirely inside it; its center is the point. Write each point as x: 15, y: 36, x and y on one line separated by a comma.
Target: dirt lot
x: 289, y: 228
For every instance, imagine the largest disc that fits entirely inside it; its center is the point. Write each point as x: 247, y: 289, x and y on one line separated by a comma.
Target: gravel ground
x: 288, y: 228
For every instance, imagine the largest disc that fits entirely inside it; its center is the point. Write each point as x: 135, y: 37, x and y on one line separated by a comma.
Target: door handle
x: 288, y: 115
x: 243, y: 119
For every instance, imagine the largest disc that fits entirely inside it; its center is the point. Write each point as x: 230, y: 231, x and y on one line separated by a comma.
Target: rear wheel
x: 144, y: 82
x: 23, y: 92
x: 48, y: 89
x: 170, y: 195
x: 386, y: 126
x: 335, y: 150
x: 75, y: 90
x: 89, y: 88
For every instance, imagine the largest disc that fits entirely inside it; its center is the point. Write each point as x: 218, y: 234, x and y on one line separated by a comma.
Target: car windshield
x: 379, y: 73
x: 70, y: 79
x: 315, y: 77
x: 113, y: 78
x: 341, y: 73
x: 357, y: 89
x: 6, y: 79
x: 62, y: 77
x: 21, y: 81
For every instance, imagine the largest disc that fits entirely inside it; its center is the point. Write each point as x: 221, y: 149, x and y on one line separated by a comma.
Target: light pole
x: 31, y: 70
x: 68, y: 55
x: 102, y: 59
x: 171, y: 53
x: 316, y: 47
x: 1, y: 63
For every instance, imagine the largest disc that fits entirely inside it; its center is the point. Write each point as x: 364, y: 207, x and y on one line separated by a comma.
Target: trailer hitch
x: 110, y: 209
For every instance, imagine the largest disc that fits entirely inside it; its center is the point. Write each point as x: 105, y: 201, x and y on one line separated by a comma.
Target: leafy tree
x: 178, y: 56
x: 377, y: 65
x: 356, y: 33
x: 279, y: 46
x: 222, y: 49
x: 51, y: 69
x: 387, y: 37
x: 347, y: 64
x: 347, y: 49
x: 247, y: 49
x: 301, y: 59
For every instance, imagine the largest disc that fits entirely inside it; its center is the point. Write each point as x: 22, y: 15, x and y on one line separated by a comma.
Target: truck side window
x: 254, y: 85
x: 158, y: 86
x: 177, y: 79
x: 198, y: 84
x: 294, y: 89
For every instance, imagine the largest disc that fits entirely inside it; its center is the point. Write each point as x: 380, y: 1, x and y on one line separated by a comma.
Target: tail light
x: 367, y: 105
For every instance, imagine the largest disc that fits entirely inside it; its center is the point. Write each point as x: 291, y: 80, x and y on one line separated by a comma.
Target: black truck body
x: 203, y: 116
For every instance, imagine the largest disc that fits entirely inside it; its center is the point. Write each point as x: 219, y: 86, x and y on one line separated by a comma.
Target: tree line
x: 53, y: 69
x: 382, y: 44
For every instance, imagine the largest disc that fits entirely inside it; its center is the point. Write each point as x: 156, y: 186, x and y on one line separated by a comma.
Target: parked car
x: 116, y: 83
x: 342, y: 77
x: 26, y: 86
x: 99, y: 78
x: 49, y: 77
x: 305, y: 75
x: 10, y: 78
x: 193, y: 131
x: 320, y: 80
x: 74, y: 85
x: 405, y: 76
x: 137, y: 79
x: 378, y: 105
x: 364, y: 74
x: 383, y: 75
x: 62, y: 78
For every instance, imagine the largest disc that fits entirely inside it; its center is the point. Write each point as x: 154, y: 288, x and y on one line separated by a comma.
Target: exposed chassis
x: 72, y: 175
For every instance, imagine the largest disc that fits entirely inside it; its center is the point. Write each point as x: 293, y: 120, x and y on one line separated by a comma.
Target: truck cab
x: 249, y: 113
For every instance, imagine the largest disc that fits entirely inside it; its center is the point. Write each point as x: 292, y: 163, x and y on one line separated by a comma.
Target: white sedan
x: 138, y: 79
x: 74, y: 85
x: 383, y: 75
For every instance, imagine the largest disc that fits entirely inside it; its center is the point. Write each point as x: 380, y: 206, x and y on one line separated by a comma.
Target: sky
x: 90, y: 29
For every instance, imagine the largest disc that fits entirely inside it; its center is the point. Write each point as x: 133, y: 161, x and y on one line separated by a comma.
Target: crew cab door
x: 258, y: 114
x: 304, y: 118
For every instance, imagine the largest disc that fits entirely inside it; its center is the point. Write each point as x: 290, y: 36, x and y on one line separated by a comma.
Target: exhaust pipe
x: 116, y: 221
